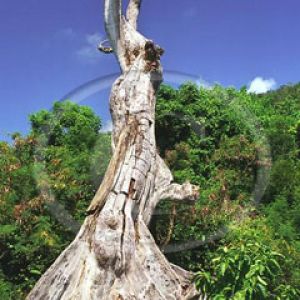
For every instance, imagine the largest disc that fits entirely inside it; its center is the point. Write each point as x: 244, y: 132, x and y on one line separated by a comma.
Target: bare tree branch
x: 121, y: 33
x: 177, y: 192
x: 133, y: 11
x: 112, y: 19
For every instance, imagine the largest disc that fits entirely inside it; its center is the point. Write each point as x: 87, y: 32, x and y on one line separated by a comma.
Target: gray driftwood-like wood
x: 114, y: 255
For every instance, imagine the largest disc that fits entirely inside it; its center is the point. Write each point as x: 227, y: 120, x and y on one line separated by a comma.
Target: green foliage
x: 67, y: 124
x: 219, y: 139
x: 283, y: 219
x: 6, y: 288
x: 58, y: 157
x: 245, y: 266
x: 216, y: 138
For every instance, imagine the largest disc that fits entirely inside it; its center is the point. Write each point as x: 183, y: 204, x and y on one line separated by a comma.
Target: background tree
x: 31, y: 237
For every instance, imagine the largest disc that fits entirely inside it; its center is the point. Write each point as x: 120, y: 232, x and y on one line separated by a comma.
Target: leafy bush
x: 245, y: 266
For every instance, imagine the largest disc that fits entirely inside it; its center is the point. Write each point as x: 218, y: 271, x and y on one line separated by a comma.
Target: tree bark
x: 114, y: 255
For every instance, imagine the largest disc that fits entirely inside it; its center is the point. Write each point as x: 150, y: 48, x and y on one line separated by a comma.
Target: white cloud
x: 203, y: 83
x: 107, y: 127
x: 89, y: 52
x: 259, y: 85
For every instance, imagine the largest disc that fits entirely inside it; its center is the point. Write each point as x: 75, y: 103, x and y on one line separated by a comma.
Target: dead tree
x: 114, y: 255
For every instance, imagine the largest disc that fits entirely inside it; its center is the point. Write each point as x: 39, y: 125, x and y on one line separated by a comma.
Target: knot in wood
x: 152, y: 56
x: 110, y: 220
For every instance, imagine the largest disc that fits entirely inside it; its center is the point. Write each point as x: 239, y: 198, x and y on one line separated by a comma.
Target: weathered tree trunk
x: 114, y: 255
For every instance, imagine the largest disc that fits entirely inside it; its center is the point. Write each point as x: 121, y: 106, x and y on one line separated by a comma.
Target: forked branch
x: 121, y: 32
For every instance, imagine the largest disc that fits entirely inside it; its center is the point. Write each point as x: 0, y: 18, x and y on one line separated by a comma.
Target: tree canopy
x: 242, y: 150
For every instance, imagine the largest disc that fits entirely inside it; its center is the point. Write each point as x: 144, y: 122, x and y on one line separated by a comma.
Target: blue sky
x: 48, y: 48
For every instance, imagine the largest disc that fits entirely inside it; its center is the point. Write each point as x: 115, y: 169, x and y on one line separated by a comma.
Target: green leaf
x: 275, y: 263
x: 35, y: 272
x: 262, y: 289
x: 262, y: 281
x: 223, y: 269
